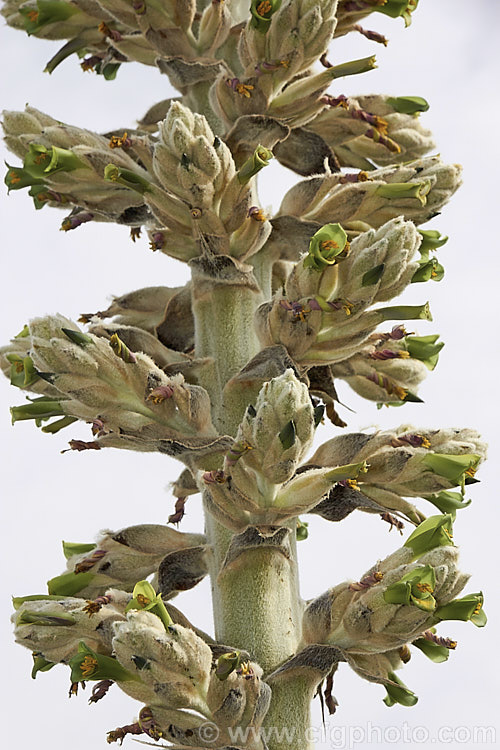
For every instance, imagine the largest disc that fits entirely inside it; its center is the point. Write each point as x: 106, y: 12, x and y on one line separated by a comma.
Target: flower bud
x: 408, y: 462
x: 53, y: 625
x: 329, y: 316
x: 126, y: 395
x: 276, y: 434
x: 369, y: 130
x: 119, y: 558
x: 174, y: 662
x: 415, y: 190
x: 394, y: 603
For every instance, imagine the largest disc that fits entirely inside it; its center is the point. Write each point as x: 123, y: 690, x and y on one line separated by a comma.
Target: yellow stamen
x: 478, y: 608
x: 264, y: 7
x: 400, y: 392
x: 143, y: 600
x: 425, y: 587
x: 258, y: 215
x: 448, y: 533
x: 92, y: 608
x: 352, y: 483
x: 381, y: 125
x: 103, y: 28
x: 244, y: 89
x: 117, y: 141
x: 40, y: 158
x: 88, y: 666
x: 347, y: 306
x: 14, y: 178
x: 425, y: 443
x: 245, y: 670
x: 87, y: 65
x: 156, y: 399
x: 471, y: 472
x: 452, y: 644
x: 329, y: 245
x: 378, y: 575
x: 18, y: 366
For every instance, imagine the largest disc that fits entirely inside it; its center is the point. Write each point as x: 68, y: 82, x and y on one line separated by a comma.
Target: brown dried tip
x: 330, y: 700
x: 393, y: 521
x: 179, y: 511
x: 119, y: 734
x: 99, y: 690
x: 82, y: 445
x: 73, y: 688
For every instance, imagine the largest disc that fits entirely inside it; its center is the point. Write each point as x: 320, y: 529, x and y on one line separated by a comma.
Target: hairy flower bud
x: 369, y: 130
x: 394, y: 604
x: 415, y: 190
x: 136, y: 396
x: 407, y: 462
x: 325, y: 316
x: 54, y: 625
x: 174, y: 662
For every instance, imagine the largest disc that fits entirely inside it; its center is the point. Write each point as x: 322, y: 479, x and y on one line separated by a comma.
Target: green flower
x: 38, y: 409
x: 226, y: 664
x: 435, y: 531
x: 398, y: 9
x: 431, y: 240
x: 469, y: 607
x: 41, y: 161
x: 262, y: 12
x: 326, y: 247
x: 456, y: 469
x: 40, y: 664
x: 259, y: 159
x: 22, y: 371
x: 18, y: 178
x: 127, y: 178
x: 429, y: 270
x: 87, y: 665
x: 408, y: 105
x: 47, y: 12
x: 145, y: 597
x: 73, y: 548
x: 424, y: 348
x: 398, y: 692
x: 434, y: 651
x: 448, y: 501
x: 399, y: 190
x: 415, y: 588
x: 302, y: 531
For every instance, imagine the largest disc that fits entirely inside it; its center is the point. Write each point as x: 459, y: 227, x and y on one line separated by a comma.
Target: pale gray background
x: 450, y: 56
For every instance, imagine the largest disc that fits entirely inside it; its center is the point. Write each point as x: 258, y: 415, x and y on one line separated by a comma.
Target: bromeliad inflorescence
x: 234, y: 373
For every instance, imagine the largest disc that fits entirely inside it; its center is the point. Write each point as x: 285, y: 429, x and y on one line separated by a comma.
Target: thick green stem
x: 256, y: 599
